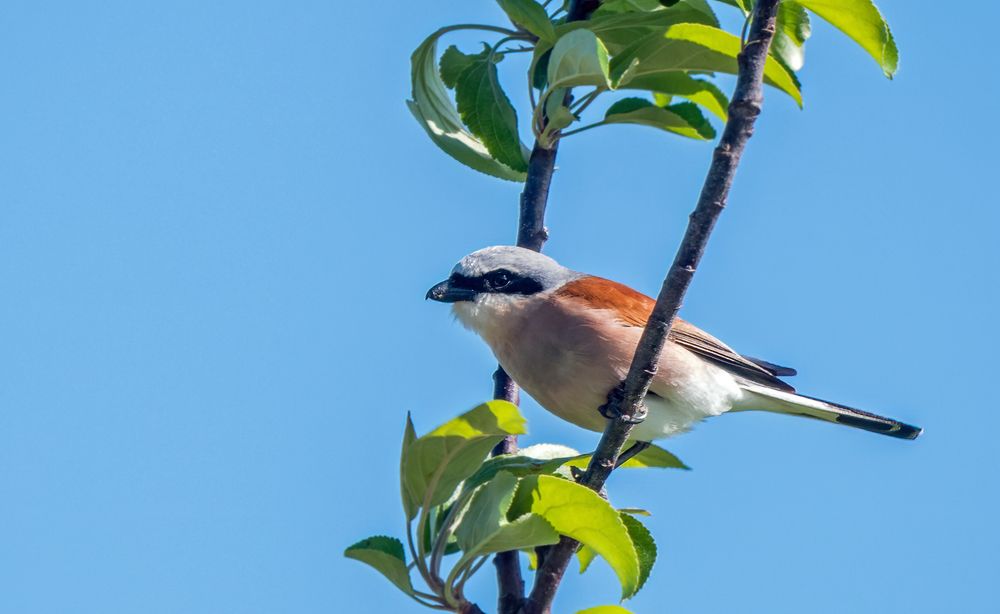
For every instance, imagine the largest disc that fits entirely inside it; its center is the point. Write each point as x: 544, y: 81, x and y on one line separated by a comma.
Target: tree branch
x: 626, y: 402
x: 531, y: 234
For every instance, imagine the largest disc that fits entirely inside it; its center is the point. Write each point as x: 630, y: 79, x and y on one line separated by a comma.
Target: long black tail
x: 769, y: 399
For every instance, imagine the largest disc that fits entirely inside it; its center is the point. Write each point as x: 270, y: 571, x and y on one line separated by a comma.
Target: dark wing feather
x: 773, y: 368
x: 708, y: 347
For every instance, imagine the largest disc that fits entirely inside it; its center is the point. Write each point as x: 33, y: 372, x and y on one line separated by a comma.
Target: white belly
x: 711, y: 393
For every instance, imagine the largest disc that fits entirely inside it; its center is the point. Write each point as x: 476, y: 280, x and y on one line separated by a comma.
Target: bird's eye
x: 498, y: 280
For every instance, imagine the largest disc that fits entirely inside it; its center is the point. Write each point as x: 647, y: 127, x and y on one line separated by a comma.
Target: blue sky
x: 217, y: 224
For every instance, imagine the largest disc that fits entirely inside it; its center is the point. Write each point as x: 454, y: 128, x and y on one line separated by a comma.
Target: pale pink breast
x: 567, y: 357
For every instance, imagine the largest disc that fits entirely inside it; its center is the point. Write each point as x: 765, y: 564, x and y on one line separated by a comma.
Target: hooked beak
x: 444, y: 292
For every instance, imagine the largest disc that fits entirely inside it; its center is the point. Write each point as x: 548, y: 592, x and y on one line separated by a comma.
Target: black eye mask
x: 500, y: 281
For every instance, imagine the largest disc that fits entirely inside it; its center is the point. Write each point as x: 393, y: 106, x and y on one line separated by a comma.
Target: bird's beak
x: 444, y: 292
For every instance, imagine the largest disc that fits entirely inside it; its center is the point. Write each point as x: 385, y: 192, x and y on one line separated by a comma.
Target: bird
x: 568, y: 338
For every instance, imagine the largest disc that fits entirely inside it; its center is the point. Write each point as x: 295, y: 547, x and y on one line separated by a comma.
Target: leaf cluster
x: 668, y: 51
x: 459, y: 502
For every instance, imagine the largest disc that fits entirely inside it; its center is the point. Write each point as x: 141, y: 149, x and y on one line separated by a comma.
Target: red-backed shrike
x: 568, y: 339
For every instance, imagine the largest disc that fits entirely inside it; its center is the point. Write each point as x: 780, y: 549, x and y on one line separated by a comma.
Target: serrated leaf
x: 578, y: 58
x: 528, y: 531
x: 645, y: 547
x: 486, y: 512
x: 655, y: 457
x: 690, y: 47
x: 486, y: 110
x: 699, y: 91
x: 619, y: 30
x: 689, y: 122
x: 862, y: 21
x: 385, y: 555
x: 453, y: 63
x: 515, y: 464
x: 793, y: 30
x: 437, y: 462
x: 605, y: 609
x: 652, y: 457
x: 436, y: 113
x: 531, y: 16
x: 580, y: 513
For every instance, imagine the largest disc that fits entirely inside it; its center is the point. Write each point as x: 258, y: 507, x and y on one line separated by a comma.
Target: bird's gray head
x: 501, y: 270
x: 491, y: 283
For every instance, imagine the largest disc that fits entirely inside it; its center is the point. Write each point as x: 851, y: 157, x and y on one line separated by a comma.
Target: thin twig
x: 627, y: 402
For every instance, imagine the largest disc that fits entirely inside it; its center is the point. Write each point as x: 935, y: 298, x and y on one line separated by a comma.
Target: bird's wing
x: 632, y: 308
x: 711, y: 349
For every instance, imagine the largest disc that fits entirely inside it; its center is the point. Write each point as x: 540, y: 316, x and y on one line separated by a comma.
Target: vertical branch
x: 626, y: 400
x: 531, y: 234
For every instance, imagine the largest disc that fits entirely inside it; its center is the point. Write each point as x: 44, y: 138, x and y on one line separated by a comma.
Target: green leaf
x: 580, y: 513
x: 743, y: 5
x: 515, y: 464
x: 704, y: 93
x: 645, y: 547
x: 434, y: 464
x: 531, y: 16
x: 385, y: 554
x: 655, y: 457
x: 434, y: 110
x: 687, y: 47
x: 586, y: 555
x: 609, y: 7
x: 862, y: 21
x: 652, y: 457
x: 634, y: 511
x: 557, y: 114
x: 486, y: 512
x: 486, y: 110
x: 540, y: 67
x: 578, y: 58
x: 793, y: 30
x: 410, y: 504
x: 643, y: 542
x: 605, y: 609
x: 689, y: 122
x: 454, y: 62
x: 619, y: 30
x: 528, y: 531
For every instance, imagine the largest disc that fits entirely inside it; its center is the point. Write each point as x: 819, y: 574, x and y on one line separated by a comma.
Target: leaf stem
x: 478, y: 26
x: 583, y: 128
x: 447, y: 528
x: 578, y: 107
x: 427, y: 604
x: 418, y: 560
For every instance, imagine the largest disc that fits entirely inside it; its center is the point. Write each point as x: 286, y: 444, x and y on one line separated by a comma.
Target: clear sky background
x: 217, y: 224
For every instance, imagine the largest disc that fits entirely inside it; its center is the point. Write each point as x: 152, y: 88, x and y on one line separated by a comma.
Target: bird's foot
x: 611, y: 410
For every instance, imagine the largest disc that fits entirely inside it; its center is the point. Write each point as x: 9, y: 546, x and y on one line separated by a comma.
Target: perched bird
x: 568, y: 338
